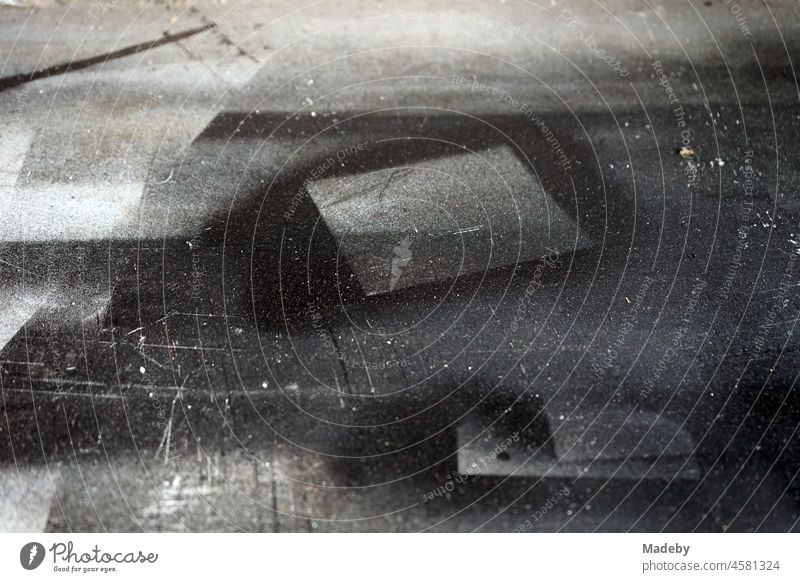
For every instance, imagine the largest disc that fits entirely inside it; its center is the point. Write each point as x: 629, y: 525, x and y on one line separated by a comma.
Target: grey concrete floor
x: 399, y: 266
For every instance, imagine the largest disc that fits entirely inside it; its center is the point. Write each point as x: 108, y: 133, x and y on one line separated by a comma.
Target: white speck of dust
x: 264, y: 384
x: 142, y: 370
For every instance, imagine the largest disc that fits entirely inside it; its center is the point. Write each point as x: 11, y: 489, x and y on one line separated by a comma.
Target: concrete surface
x: 186, y: 347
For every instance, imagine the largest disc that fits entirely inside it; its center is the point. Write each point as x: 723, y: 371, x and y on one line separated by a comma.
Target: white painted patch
x: 60, y: 212
x: 14, y: 313
x: 26, y: 495
x: 14, y: 145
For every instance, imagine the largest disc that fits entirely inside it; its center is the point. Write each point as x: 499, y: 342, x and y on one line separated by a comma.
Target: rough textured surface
x: 184, y: 348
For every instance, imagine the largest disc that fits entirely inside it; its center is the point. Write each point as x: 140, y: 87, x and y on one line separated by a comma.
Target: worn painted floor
x: 399, y: 266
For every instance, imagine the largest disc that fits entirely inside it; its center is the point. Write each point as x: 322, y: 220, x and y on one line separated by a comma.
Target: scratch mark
x: 149, y: 359
x: 778, y: 288
x: 16, y: 267
x: 66, y: 394
x: 363, y: 359
x: 338, y: 388
x: 197, y: 348
x: 166, y: 438
x: 470, y: 229
x: 787, y: 322
x: 75, y: 382
x: 20, y: 363
x: 167, y: 179
x: 171, y: 313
